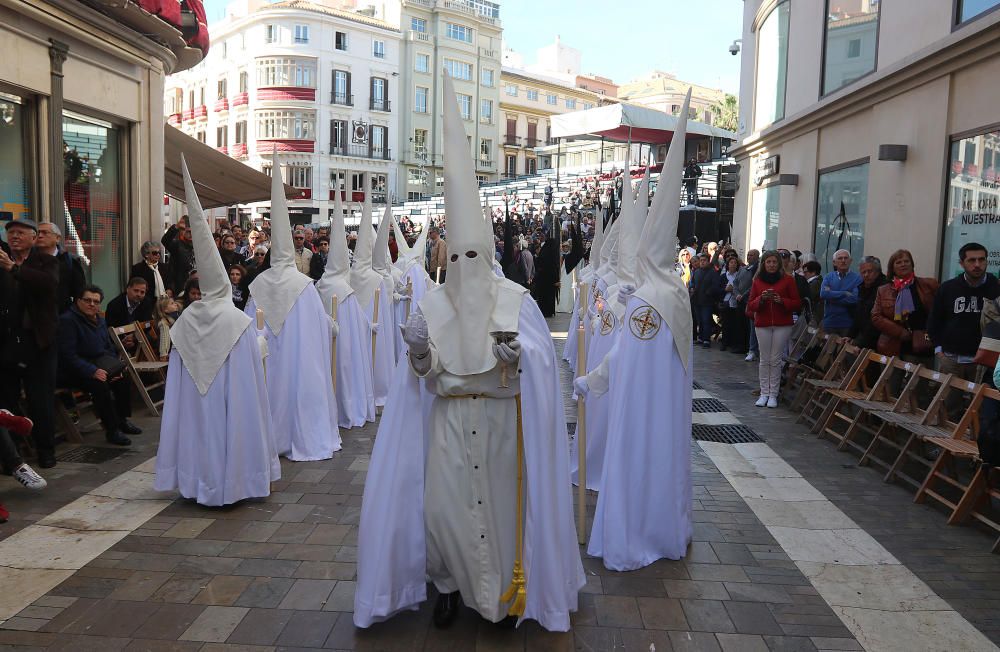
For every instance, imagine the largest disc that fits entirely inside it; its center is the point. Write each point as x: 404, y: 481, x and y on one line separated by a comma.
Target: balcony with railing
x: 241, y: 99
x: 378, y: 104
x: 221, y: 105
x: 174, y: 119
x: 532, y: 142
x: 484, y: 164
x: 200, y: 112
x: 414, y: 35
x: 267, y: 145
x: 224, y: 149
x: 286, y: 94
x: 342, y: 99
x: 358, y: 196
x: 361, y: 151
x: 188, y: 115
x: 304, y: 193
x: 510, y: 140
x: 239, y: 150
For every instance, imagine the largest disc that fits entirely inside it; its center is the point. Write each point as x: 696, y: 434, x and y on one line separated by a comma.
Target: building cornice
x: 267, y: 14
x: 507, y: 74
x: 977, y: 42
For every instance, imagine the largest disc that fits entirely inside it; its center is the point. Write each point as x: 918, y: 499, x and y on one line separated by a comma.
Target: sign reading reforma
x: 767, y: 168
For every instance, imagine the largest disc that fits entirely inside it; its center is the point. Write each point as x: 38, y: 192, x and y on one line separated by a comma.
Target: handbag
x: 111, y: 364
x: 921, y: 344
x: 989, y: 345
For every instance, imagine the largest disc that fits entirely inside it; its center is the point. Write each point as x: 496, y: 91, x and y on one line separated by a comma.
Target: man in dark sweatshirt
x: 953, y: 324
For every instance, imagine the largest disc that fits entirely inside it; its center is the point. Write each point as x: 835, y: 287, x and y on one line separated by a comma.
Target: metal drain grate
x: 708, y: 405
x: 91, y: 454
x: 729, y: 434
x: 696, y: 385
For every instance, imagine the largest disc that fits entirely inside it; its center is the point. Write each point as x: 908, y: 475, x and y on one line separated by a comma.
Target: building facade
x: 81, y: 135
x: 527, y: 102
x: 464, y: 38
x: 664, y: 92
x: 316, y: 83
x: 870, y: 125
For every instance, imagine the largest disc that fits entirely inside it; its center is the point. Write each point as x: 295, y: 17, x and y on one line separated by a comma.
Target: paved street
x: 795, y: 548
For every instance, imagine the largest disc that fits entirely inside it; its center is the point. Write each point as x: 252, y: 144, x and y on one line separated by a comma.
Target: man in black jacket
x: 131, y: 305
x: 707, y: 288
x: 85, y: 355
x: 177, y: 242
x: 29, y: 281
x: 862, y: 332
x: 953, y: 323
x: 72, y: 278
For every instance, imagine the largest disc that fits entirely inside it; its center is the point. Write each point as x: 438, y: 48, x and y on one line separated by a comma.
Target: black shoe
x: 446, y: 609
x: 46, y: 459
x: 118, y: 439
x: 129, y: 428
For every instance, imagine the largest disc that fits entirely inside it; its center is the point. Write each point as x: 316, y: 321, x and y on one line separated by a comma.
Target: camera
x: 734, y: 49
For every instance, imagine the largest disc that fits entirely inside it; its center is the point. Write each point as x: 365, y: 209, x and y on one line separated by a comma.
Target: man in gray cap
x: 29, y: 281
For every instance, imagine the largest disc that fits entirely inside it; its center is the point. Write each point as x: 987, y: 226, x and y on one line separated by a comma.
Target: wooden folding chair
x: 73, y: 428
x: 856, y: 387
x: 143, y: 330
x: 934, y: 426
x: 798, y: 371
x: 810, y: 396
x: 137, y: 366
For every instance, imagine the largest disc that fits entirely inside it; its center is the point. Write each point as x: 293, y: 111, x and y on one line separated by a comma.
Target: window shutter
x: 349, y: 102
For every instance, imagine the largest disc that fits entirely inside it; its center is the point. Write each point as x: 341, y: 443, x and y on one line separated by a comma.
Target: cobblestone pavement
x: 99, y: 561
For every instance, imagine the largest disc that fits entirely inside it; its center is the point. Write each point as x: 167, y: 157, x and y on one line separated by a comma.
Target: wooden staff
x: 581, y: 438
x: 409, y: 293
x: 437, y: 275
x: 260, y: 327
x: 378, y: 292
x: 333, y: 349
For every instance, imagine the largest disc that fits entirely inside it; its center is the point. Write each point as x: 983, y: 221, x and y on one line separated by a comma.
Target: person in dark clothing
x: 129, y: 306
x: 72, y: 278
x: 227, y: 250
x: 707, y: 288
x: 953, y: 324
x: 29, y: 282
x: 547, y: 274
x: 691, y: 175
x: 149, y: 268
x: 863, y: 333
x: 85, y: 353
x: 317, y: 264
x: 177, y: 242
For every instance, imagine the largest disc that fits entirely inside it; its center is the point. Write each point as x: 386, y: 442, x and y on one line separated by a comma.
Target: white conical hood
x: 587, y: 276
x: 463, y: 312
x: 609, y: 254
x: 631, y: 232
x: 658, y: 284
x: 364, y: 278
x: 207, y: 330
x: 380, y: 254
x: 419, y: 248
x: 276, y: 289
x: 402, y: 249
x: 336, y: 278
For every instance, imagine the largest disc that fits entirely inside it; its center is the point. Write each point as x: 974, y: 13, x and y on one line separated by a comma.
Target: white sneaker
x: 750, y: 357
x: 772, y: 401
x: 762, y: 401
x: 27, y: 476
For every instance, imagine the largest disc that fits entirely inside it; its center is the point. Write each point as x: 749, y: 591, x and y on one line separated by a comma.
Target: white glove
x: 401, y: 289
x: 415, y: 334
x: 376, y: 327
x: 508, y: 353
x: 580, y: 387
x: 624, y: 292
x: 595, y: 324
x: 397, y: 297
x: 335, y: 328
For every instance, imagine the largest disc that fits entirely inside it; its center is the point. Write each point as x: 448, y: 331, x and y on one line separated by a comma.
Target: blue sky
x: 625, y: 40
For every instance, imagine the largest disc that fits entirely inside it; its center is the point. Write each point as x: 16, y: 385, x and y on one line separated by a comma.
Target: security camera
x: 734, y: 49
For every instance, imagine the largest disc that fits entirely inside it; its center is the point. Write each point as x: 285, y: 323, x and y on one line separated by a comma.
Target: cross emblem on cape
x: 645, y: 322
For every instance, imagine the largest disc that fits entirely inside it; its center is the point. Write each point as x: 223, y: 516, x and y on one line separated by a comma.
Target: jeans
x: 705, y: 322
x: 112, y: 400
x: 772, y: 341
x: 754, y: 346
x: 967, y: 371
x: 692, y: 192
x: 10, y: 459
x: 39, y: 381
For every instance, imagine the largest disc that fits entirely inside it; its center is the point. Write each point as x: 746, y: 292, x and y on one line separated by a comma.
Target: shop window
x: 93, y: 188
x: 764, y: 218
x: 841, y: 212
x: 851, y: 41
x: 15, y: 184
x: 772, y: 67
x: 972, y: 213
x: 969, y: 9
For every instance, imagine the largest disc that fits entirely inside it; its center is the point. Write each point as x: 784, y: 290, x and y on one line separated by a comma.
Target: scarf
x: 770, y: 277
x: 904, y: 297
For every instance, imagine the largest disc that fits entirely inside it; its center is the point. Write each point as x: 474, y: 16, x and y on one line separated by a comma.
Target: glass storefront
x: 15, y: 188
x: 841, y: 212
x: 772, y: 67
x: 764, y: 213
x: 851, y: 42
x: 972, y: 213
x: 93, y: 225
x: 969, y: 9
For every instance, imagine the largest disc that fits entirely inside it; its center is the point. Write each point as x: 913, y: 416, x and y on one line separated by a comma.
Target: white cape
x: 602, y: 339
x: 217, y: 448
x: 355, y: 395
x: 385, y: 346
x: 299, y: 383
x: 421, y: 282
x: 644, y: 508
x: 567, y: 289
x: 392, y: 550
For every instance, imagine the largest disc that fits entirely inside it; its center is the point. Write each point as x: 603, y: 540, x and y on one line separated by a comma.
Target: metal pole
x: 558, y: 156
x: 600, y: 169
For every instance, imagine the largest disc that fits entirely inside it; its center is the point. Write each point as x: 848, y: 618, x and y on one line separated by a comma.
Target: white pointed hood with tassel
x: 628, y: 243
x: 208, y: 329
x: 403, y: 251
x: 336, y: 278
x: 380, y: 253
x: 276, y: 289
x: 607, y: 270
x: 419, y: 249
x: 364, y: 278
x: 587, y: 275
x: 658, y: 284
x: 473, y: 302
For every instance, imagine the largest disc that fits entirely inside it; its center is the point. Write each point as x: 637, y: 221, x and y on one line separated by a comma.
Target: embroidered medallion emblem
x: 608, y: 322
x: 645, y: 322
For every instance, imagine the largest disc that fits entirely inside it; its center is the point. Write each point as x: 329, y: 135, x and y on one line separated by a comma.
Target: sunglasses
x: 785, y: 254
x: 259, y: 255
x: 152, y: 253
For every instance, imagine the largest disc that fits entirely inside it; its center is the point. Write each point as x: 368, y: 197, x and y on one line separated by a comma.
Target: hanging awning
x: 219, y: 179
x: 614, y: 122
